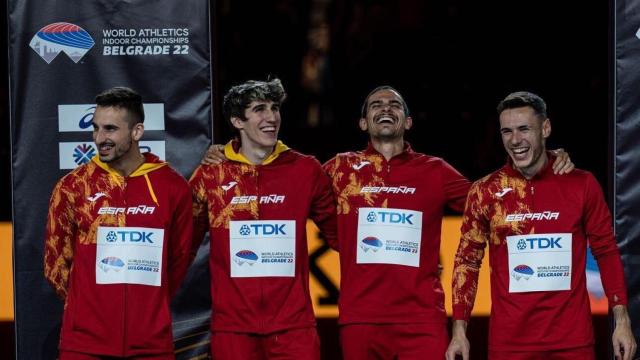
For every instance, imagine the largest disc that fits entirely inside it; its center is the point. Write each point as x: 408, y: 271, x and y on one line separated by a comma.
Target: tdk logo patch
x: 130, y: 236
x: 262, y: 229
x: 539, y: 243
x: 245, y: 256
x: 111, y: 236
x: 390, y: 217
x: 111, y: 263
x: 59, y: 37
x: 245, y: 230
x: 371, y: 243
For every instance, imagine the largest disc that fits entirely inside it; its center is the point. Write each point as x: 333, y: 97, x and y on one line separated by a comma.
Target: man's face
x: 385, y: 117
x: 523, y: 137
x: 260, y: 129
x: 112, y: 134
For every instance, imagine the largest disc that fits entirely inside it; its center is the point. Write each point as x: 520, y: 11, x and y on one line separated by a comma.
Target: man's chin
x: 388, y: 136
x: 106, y: 158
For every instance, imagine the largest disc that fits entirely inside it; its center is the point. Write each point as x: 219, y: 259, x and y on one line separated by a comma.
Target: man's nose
x: 98, y: 136
x: 516, y: 138
x: 270, y: 115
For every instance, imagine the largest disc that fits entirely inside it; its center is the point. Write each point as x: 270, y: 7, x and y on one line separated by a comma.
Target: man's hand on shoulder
x: 214, y: 155
x: 562, y: 164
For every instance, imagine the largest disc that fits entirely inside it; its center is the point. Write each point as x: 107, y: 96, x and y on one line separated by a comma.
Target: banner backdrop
x: 63, y: 53
x: 626, y: 132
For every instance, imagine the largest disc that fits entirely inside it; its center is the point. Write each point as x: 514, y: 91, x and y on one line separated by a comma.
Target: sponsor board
x: 78, y: 117
x: 74, y: 154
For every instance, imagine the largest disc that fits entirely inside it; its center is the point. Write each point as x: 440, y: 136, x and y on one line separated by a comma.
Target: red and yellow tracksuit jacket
x: 537, y: 231
x: 389, y: 222
x: 117, y: 303
x: 256, y: 217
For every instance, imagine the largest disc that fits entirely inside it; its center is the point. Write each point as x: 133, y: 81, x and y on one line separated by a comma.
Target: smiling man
x: 537, y: 225
x: 118, y: 239
x: 255, y: 207
x: 390, y: 203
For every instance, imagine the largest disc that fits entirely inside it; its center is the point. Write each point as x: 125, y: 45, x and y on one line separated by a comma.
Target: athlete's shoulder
x: 81, y: 174
x: 215, y: 172
x: 350, y: 155
x: 172, y: 175
x: 294, y: 156
x: 490, y: 180
x: 577, y: 175
x: 350, y: 158
x: 578, y: 178
x: 427, y: 159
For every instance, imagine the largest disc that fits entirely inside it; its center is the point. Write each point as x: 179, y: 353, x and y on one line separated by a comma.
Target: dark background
x: 452, y: 60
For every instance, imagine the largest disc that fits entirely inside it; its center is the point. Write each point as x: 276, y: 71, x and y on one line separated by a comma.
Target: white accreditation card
x: 129, y: 255
x: 261, y: 248
x: 539, y: 262
x: 389, y: 236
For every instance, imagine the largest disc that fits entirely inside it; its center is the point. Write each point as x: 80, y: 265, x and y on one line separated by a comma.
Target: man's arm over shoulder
x: 180, y: 235
x: 199, y: 210
x: 323, y: 206
x: 455, y: 186
x: 475, y: 233
x: 59, y: 238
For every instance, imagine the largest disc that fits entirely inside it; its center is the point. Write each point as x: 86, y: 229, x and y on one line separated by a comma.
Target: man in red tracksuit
x: 255, y: 207
x: 117, y: 241
x: 537, y: 225
x: 390, y: 203
x: 390, y: 206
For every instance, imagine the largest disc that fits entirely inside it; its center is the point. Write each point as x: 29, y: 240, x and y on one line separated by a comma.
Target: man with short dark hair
x: 255, y: 207
x: 390, y: 203
x: 537, y: 225
x: 117, y: 241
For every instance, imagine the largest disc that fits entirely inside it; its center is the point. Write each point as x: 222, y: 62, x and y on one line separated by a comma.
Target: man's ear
x: 137, y: 131
x: 408, y: 123
x: 237, y: 122
x: 363, y: 124
x: 546, y: 128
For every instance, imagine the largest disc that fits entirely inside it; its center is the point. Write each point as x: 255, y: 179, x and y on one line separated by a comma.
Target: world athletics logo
x: 371, y: 243
x: 59, y: 37
x: 245, y: 256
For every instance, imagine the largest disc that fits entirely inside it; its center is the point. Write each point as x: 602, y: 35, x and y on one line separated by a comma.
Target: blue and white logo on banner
x: 59, y: 37
x: 79, y: 117
x: 74, y: 154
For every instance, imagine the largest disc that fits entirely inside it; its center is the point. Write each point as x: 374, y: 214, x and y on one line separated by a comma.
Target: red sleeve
x: 323, y: 208
x: 59, y: 237
x: 599, y: 232
x: 456, y: 187
x: 475, y: 232
x: 200, y: 211
x: 180, y: 237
